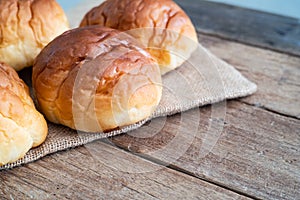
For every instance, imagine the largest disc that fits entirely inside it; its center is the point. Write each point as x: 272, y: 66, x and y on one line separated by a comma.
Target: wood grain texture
x: 101, y: 171
x: 253, y: 149
x: 257, y: 153
x: 244, y: 25
x: 277, y: 75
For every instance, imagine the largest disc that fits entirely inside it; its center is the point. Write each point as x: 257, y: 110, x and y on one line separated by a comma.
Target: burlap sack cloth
x: 203, y: 79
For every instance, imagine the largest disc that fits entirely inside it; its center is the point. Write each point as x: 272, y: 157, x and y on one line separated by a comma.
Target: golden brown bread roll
x: 21, y: 126
x: 166, y: 30
x: 96, y: 79
x: 26, y: 27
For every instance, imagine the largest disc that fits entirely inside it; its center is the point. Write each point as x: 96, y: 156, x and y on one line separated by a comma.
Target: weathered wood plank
x: 257, y: 153
x: 244, y: 25
x: 277, y: 75
x: 101, y: 171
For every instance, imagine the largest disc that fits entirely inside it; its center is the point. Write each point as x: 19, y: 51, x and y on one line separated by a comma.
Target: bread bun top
x: 27, y: 26
x: 98, y: 75
x: 174, y: 34
x: 21, y: 126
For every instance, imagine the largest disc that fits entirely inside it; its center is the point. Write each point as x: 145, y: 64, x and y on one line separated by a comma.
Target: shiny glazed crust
x: 26, y: 27
x: 168, y: 33
x: 21, y: 126
x: 96, y: 79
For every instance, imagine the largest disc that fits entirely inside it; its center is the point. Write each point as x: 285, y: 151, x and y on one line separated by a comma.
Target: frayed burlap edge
x: 231, y: 84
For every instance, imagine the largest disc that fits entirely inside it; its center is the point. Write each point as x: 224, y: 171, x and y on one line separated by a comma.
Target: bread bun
x: 167, y: 31
x: 26, y: 27
x: 21, y: 126
x: 96, y: 79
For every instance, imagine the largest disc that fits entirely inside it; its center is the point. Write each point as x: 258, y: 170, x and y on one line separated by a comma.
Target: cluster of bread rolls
x: 21, y: 126
x: 101, y: 76
x: 161, y: 26
x: 96, y: 79
x: 26, y: 27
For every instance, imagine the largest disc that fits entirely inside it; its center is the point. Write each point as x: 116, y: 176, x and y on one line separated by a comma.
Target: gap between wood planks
x: 252, y: 27
x: 267, y: 109
x: 208, y: 179
x: 241, y: 101
x: 190, y: 173
x: 262, y: 46
x: 181, y: 170
x: 25, y: 74
x: 266, y: 68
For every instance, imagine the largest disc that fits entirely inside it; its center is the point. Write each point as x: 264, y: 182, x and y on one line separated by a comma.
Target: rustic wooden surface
x: 276, y: 74
x: 244, y: 25
x: 257, y: 155
x: 78, y: 175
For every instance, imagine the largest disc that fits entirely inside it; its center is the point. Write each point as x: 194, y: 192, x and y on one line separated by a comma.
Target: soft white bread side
x: 21, y: 125
x: 96, y: 79
x: 161, y: 25
x: 26, y: 27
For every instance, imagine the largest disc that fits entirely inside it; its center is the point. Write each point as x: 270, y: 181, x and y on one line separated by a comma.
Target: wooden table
x: 256, y: 157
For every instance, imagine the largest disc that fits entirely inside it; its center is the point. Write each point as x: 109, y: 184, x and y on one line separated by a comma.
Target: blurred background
x: 289, y: 8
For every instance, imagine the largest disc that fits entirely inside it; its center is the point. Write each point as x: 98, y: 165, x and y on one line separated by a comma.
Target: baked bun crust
x: 26, y: 27
x: 21, y: 126
x: 167, y: 32
x: 96, y: 79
